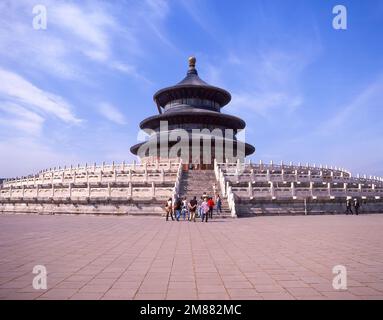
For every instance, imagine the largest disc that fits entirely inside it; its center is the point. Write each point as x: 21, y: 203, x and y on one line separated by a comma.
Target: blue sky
x: 76, y: 92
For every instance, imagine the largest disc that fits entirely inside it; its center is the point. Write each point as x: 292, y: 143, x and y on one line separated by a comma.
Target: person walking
x: 348, y: 207
x: 184, y: 209
x: 356, y: 206
x: 193, y: 208
x: 169, y: 209
x: 205, y: 210
x: 177, y: 208
x: 200, y: 211
x: 211, y: 204
x: 218, y: 202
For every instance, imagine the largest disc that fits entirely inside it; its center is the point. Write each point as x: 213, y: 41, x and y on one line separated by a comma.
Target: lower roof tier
x: 221, y: 145
x: 200, y: 116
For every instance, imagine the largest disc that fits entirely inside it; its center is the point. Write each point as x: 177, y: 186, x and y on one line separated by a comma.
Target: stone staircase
x: 196, y: 182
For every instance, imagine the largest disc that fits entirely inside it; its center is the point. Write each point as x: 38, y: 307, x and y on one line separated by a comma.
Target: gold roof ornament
x: 192, y: 62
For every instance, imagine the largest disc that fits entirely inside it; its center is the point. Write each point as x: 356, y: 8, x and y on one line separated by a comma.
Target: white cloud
x: 15, y: 88
x: 112, y: 113
x: 91, y: 27
x: 25, y: 155
x: 130, y: 70
x: 78, y: 34
x: 263, y: 80
x: 19, y: 118
x: 349, y: 114
x: 264, y: 102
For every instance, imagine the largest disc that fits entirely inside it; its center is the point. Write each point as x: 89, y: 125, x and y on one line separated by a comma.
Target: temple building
x: 193, y: 107
x: 191, y: 132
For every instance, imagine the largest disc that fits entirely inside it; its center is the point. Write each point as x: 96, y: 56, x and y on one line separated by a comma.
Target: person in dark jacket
x: 177, y: 208
x: 348, y: 207
x: 219, y: 204
x: 193, y: 208
x: 356, y: 206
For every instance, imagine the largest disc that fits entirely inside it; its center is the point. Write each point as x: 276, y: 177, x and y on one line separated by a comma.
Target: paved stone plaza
x: 100, y: 257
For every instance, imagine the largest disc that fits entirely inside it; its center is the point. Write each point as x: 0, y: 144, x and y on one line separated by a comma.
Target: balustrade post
x: 293, y: 193
x: 130, y: 190
x: 272, y: 189
x: 252, y: 177
x: 312, y: 189
x: 345, y: 188
x: 250, y: 190
x: 329, y: 189
x: 162, y: 175
x: 153, y: 190
x: 238, y: 165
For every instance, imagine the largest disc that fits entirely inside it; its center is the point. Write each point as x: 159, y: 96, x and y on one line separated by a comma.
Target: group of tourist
x: 193, y: 209
x: 349, y: 204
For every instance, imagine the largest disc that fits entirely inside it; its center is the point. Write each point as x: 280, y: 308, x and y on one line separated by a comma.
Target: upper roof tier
x: 192, y: 86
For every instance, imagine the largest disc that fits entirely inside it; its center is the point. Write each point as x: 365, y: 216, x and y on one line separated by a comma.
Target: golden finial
x: 192, y: 61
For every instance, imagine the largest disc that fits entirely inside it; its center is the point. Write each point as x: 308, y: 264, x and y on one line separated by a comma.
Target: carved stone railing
x: 176, y: 189
x: 87, y: 192
x: 239, y: 172
x: 120, y: 172
x: 225, y: 188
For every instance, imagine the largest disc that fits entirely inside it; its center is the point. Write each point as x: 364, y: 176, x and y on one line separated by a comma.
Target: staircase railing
x: 231, y: 201
x: 225, y: 188
x: 177, y: 184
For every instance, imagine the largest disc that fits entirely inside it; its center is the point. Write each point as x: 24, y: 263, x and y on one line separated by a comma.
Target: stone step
x: 195, y: 183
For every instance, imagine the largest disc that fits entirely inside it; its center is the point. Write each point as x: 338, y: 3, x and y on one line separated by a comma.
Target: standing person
x: 211, y: 203
x: 348, y: 207
x: 177, y: 208
x: 205, y: 210
x: 219, y: 204
x: 356, y: 206
x: 193, y: 208
x: 169, y: 209
x: 185, y: 208
x: 200, y: 210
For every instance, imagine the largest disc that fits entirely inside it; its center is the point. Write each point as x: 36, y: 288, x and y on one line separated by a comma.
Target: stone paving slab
x: 101, y: 257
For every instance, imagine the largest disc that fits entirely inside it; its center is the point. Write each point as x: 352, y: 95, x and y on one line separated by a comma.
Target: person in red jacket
x: 211, y: 204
